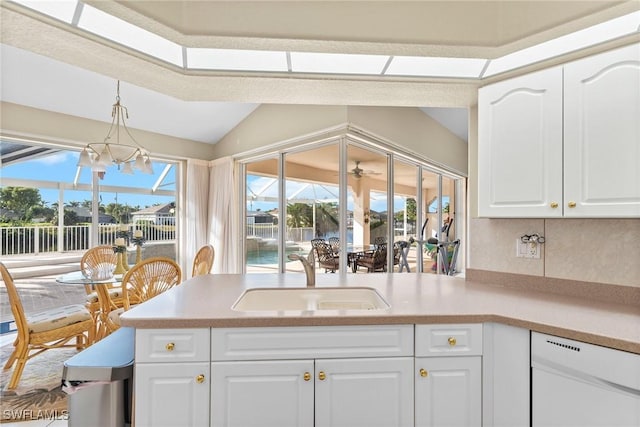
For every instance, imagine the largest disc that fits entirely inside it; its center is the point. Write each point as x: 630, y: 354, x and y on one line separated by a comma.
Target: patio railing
x: 49, y: 239
x: 270, y: 231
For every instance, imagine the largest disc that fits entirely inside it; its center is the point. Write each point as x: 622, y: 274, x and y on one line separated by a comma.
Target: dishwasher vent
x: 567, y: 346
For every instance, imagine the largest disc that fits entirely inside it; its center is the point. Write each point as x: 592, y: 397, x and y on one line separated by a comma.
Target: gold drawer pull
x: 200, y: 379
x: 322, y: 376
x: 554, y: 205
x: 423, y: 373
x: 307, y: 376
x: 170, y: 346
x: 571, y: 204
x: 452, y: 341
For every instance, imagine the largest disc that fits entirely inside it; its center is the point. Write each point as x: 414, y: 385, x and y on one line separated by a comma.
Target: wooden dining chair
x: 45, y: 330
x: 144, y: 281
x: 99, y: 259
x: 203, y: 261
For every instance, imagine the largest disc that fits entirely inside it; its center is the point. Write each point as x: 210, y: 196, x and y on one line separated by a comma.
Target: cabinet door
x: 172, y: 394
x: 364, y: 392
x: 262, y: 393
x: 506, y: 374
x: 602, y: 135
x: 520, y: 146
x: 448, y: 391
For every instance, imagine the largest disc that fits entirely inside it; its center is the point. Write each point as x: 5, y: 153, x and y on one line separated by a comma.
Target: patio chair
x: 373, y: 261
x: 144, y: 281
x: 327, y: 259
x: 203, y: 261
x: 45, y: 330
x: 380, y: 240
x: 334, y: 242
x: 314, y: 245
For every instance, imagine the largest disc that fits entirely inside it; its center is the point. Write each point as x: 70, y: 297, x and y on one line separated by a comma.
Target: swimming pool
x: 267, y: 256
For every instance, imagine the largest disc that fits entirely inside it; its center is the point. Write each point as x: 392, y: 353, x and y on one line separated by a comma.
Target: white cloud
x: 53, y: 159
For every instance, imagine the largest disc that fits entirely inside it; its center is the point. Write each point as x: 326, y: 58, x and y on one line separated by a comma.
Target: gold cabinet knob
x: 200, y: 379
x: 322, y: 376
x: 423, y: 373
x: 170, y: 346
x: 452, y: 341
x: 554, y: 205
x: 307, y: 376
x: 571, y: 204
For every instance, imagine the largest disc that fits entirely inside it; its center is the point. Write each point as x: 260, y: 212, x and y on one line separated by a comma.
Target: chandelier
x: 112, y: 151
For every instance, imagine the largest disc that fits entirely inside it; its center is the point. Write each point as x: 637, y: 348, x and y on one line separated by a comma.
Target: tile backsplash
x: 590, y: 250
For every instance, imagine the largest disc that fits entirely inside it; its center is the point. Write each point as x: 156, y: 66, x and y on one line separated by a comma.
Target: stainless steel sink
x: 310, y: 299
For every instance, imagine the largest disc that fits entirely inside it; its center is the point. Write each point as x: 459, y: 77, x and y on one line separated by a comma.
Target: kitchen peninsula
x: 198, y: 354
x: 413, y: 298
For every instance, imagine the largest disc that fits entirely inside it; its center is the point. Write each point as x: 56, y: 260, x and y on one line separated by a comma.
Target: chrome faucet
x: 309, y: 267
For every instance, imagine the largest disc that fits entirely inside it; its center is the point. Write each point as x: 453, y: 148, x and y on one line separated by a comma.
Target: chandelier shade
x: 127, y: 155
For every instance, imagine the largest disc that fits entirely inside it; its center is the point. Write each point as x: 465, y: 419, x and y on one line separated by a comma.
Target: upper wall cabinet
x: 563, y: 141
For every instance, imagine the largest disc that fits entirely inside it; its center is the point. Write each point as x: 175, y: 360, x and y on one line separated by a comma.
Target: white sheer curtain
x: 223, y: 226
x: 196, y: 212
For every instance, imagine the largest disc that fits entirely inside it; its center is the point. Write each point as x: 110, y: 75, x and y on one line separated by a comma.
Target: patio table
x: 353, y: 252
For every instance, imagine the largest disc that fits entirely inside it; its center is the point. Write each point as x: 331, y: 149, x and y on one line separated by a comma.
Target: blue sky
x: 61, y: 167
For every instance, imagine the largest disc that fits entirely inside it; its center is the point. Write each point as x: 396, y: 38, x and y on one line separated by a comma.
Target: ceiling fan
x: 358, y: 172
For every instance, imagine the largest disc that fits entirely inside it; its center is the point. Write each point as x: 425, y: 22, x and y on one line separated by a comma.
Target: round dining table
x: 77, y: 278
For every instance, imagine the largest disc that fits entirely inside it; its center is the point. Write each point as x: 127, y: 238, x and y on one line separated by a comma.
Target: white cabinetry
x: 448, y: 377
x: 329, y: 376
x: 563, y: 141
x: 262, y: 393
x: 323, y: 376
x: 506, y: 376
x: 172, y: 377
x: 602, y: 134
x: 520, y: 146
x: 364, y: 392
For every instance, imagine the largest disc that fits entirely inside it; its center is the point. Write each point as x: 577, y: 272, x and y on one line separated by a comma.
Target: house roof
x: 156, y: 209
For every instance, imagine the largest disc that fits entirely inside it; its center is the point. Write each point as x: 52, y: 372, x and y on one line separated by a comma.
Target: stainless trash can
x: 99, y: 381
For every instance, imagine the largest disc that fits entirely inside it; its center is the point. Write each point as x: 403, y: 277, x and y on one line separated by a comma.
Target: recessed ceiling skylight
x: 132, y: 36
x: 117, y: 30
x: 62, y: 9
x: 591, y: 36
x: 233, y: 59
x: 435, y: 67
x: 337, y: 63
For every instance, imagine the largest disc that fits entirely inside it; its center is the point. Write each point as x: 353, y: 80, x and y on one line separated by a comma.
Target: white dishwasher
x: 579, y: 384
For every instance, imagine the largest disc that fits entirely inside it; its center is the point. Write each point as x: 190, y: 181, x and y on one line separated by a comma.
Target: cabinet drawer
x: 450, y: 340
x: 314, y: 342
x: 172, y: 345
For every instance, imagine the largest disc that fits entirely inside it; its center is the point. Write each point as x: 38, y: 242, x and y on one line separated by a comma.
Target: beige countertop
x: 206, y: 301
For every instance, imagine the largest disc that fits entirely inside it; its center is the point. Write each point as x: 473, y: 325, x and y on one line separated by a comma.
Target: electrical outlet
x: 527, y: 250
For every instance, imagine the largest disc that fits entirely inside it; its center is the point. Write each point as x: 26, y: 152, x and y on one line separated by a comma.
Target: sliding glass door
x: 356, y: 197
